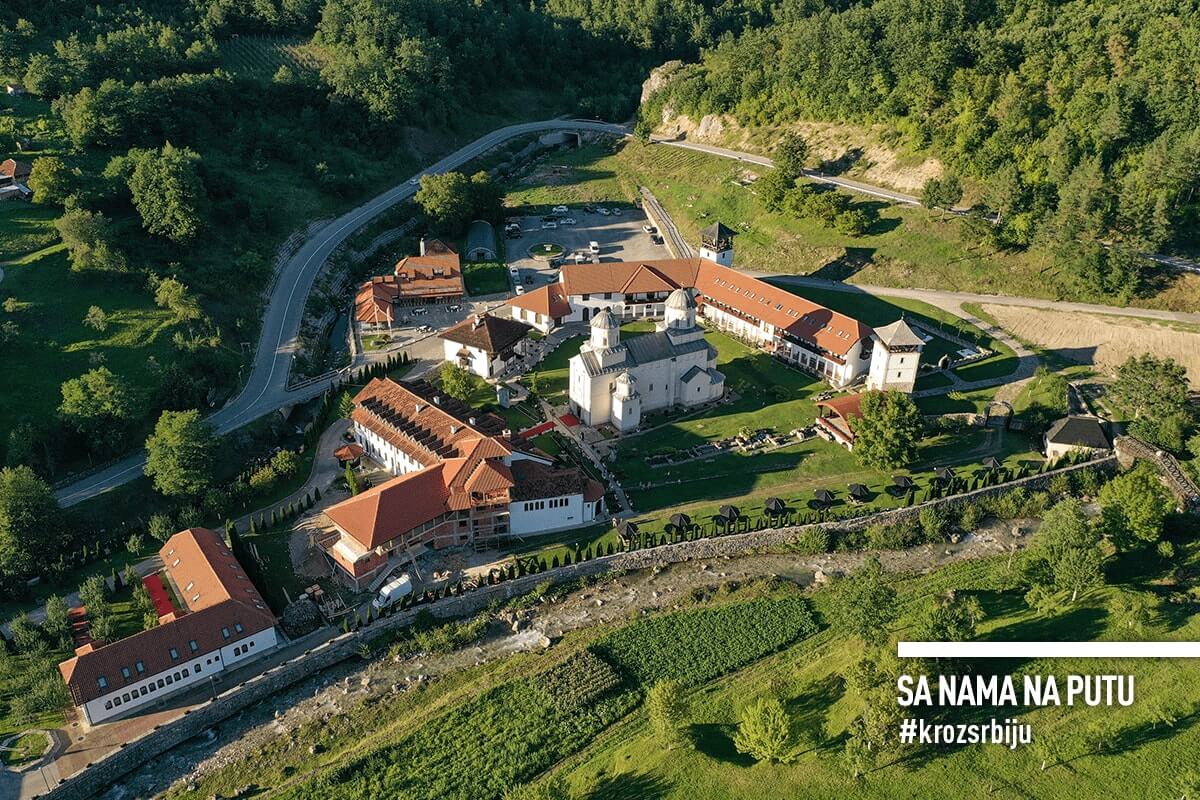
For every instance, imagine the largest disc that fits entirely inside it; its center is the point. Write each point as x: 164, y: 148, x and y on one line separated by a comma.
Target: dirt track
x: 1102, y: 341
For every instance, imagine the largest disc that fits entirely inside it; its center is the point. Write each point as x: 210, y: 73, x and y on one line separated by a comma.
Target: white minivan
x: 393, y: 592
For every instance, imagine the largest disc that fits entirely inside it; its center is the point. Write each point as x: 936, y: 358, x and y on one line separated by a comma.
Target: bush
x: 161, y: 527
x: 811, y: 542
x: 765, y: 731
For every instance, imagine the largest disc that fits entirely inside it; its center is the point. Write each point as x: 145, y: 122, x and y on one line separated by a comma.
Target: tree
x: 102, y: 628
x: 486, y: 196
x: 942, y: 193
x: 790, y: 155
x: 951, y: 619
x: 90, y: 241
x: 173, y: 295
x: 456, y: 381
x: 1130, y: 611
x: 97, y: 405
x: 765, y: 731
x: 25, y: 635
x: 887, y: 433
x: 448, y: 199
x: 1066, y: 550
x: 668, y: 712
x: 29, y: 520
x: 96, y: 319
x: 1133, y: 506
x: 93, y: 593
x: 168, y: 192
x: 863, y: 604
x: 1148, y: 387
x: 51, y: 180
x: 345, y: 405
x: 161, y: 527
x: 351, y: 483
x: 57, y: 624
x: 179, y: 454
x: 773, y: 188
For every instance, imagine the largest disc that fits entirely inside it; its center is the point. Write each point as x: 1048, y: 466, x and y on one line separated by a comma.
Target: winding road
x: 266, y: 387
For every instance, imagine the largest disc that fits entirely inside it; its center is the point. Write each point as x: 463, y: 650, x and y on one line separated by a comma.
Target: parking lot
x: 619, y: 235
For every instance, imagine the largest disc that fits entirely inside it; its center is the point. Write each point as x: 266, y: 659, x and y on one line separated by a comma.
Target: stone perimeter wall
x: 90, y: 782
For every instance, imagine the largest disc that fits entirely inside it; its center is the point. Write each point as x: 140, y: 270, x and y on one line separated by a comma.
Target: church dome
x: 680, y: 300
x: 626, y: 381
x: 605, y: 319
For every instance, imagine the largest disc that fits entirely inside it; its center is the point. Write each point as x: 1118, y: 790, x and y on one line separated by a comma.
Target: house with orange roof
x: 432, y: 276
x: 223, y: 622
x: 833, y: 346
x: 462, y: 479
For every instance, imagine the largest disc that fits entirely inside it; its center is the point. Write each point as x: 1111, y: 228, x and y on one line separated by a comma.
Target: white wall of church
x: 533, y: 516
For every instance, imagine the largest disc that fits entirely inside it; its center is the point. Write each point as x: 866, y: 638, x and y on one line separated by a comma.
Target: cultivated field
x: 1101, y: 341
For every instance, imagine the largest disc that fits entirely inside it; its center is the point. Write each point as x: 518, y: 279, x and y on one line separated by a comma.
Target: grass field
x: 485, y: 278
x: 906, y: 247
x: 260, y: 57
x: 25, y: 748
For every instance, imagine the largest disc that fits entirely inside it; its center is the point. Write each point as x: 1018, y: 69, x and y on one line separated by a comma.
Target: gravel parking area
x: 620, y: 237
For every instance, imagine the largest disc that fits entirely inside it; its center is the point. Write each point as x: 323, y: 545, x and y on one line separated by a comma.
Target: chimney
x: 437, y: 399
x: 478, y: 322
x: 418, y: 407
x: 507, y: 433
x: 471, y: 421
x: 453, y: 429
x: 422, y: 245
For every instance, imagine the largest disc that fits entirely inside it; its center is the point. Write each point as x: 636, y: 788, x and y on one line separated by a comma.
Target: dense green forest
x: 1081, y: 119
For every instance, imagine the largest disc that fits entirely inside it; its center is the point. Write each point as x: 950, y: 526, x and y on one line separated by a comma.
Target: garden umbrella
x: 991, y: 463
x: 859, y: 492
x: 681, y: 522
x: 944, y: 474
x: 824, y: 496
x: 902, y: 481
x: 627, y: 530
x: 730, y: 513
x: 775, y: 506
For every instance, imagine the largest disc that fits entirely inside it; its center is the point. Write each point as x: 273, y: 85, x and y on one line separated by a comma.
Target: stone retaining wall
x: 91, y: 781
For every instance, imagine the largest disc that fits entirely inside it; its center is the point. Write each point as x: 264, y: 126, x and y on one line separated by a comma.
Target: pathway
x: 590, y: 453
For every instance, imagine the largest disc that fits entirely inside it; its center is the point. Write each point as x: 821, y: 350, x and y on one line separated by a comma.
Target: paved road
x: 1174, y: 262
x: 266, y: 387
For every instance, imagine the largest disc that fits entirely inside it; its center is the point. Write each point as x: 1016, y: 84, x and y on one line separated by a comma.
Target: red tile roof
x: 391, y: 509
x: 549, y: 301
x: 17, y: 170
x: 722, y: 286
x: 218, y: 596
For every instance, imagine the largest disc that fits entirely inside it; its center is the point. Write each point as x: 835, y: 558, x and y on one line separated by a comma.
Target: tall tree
x: 790, y: 155
x: 667, y: 710
x: 887, y: 433
x: 98, y: 405
x: 29, y: 523
x: 942, y: 193
x: 51, y: 180
x: 765, y: 731
x: 90, y: 241
x: 456, y: 381
x: 168, y: 192
x: 863, y: 604
x: 448, y: 200
x: 179, y: 454
x: 1133, y: 506
x: 1066, y: 550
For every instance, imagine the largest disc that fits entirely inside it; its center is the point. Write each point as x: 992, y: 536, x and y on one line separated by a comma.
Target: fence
x: 91, y: 781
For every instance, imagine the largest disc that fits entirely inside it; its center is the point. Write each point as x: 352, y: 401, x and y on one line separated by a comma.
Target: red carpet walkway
x: 159, y: 594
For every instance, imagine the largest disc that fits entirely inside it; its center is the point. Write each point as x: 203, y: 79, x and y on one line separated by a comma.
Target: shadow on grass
x: 627, y: 786
x: 1081, y: 624
x: 809, y: 710
x: 716, y: 742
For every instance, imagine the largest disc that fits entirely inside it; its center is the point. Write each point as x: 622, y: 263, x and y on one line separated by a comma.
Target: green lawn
x: 485, y: 278
x: 907, y: 246
x: 25, y: 748
x: 554, y: 374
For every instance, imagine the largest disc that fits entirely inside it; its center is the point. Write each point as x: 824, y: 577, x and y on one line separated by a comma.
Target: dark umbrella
x: 729, y: 512
x: 944, y: 474
x: 775, y: 506
x: 902, y: 481
x: 681, y: 522
x: 824, y: 496
x: 627, y: 530
x: 991, y: 463
x: 859, y: 492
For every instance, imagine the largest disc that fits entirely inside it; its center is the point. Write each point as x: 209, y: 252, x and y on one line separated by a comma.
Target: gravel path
x: 336, y: 690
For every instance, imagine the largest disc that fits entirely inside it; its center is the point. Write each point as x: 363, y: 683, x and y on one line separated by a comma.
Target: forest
x: 1080, y: 119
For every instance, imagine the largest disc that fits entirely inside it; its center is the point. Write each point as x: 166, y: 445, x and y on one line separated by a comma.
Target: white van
x: 393, y: 592
x: 594, y: 248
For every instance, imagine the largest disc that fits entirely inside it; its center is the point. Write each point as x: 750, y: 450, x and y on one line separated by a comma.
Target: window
x: 140, y: 667
x: 225, y: 632
x: 174, y: 654
x: 102, y: 682
x: 608, y: 295
x: 237, y: 626
x: 195, y: 669
x: 237, y: 651
x: 125, y: 697
x: 170, y: 680
x: 586, y: 296
x: 194, y: 645
x: 108, y: 705
x: 116, y: 701
x: 175, y: 563
x: 196, y: 598
x: 160, y: 683
x: 144, y: 691
x: 188, y: 588
x: 125, y: 673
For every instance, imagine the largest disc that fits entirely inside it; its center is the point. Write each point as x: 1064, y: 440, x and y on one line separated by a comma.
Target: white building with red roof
x: 463, y: 479
x: 833, y: 346
x: 223, y: 622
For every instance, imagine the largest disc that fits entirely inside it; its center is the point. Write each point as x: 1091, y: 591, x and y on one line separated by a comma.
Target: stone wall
x: 91, y: 781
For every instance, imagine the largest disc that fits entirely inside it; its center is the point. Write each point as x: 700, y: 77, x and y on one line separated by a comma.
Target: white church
x: 614, y: 382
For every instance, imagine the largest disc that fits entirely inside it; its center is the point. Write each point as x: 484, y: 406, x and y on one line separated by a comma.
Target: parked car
x: 513, y: 271
x: 520, y: 289
x: 416, y: 312
x: 454, y: 307
x: 549, y: 226
x: 561, y: 210
x: 593, y: 247
x: 581, y: 258
x: 426, y: 329
x: 616, y: 212
x: 602, y: 211
x: 656, y: 239
x: 568, y: 220
x: 650, y: 229
x: 393, y: 592
x: 588, y: 208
